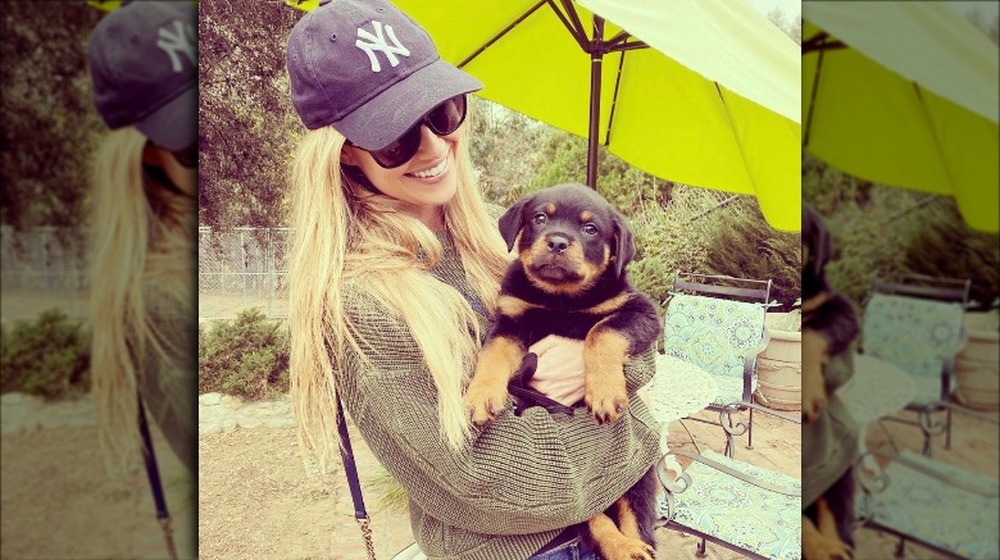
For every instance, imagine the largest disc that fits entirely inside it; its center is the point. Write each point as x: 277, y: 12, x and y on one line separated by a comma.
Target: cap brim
x: 173, y: 126
x: 388, y: 115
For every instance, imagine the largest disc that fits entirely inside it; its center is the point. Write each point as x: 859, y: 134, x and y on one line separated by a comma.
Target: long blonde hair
x: 345, y: 235
x: 143, y: 237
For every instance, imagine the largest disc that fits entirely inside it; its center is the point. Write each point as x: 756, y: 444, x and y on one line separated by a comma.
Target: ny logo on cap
x: 371, y: 43
x: 180, y: 39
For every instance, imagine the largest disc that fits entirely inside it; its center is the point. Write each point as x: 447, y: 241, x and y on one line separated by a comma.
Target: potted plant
x: 977, y: 366
x: 779, y: 365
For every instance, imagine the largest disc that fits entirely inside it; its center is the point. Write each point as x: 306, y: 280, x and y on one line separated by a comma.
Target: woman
x: 144, y: 71
x: 830, y: 434
x: 394, y: 271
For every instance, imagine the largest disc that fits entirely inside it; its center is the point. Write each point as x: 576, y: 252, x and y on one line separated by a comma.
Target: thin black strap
x: 152, y: 469
x: 350, y: 468
x: 155, y: 483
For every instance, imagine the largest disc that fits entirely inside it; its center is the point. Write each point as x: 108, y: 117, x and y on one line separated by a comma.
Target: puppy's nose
x: 557, y: 243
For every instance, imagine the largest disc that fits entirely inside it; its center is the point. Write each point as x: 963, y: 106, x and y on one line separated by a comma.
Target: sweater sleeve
x: 521, y: 474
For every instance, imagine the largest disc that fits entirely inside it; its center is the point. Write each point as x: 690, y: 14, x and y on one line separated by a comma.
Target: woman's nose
x: 429, y: 141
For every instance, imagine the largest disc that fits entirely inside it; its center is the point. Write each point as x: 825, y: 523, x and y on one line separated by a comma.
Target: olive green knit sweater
x: 522, y: 480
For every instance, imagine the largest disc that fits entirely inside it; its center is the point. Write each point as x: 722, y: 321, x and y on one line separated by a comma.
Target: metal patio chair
x: 917, y: 323
x: 746, y: 508
x: 717, y: 324
x: 948, y: 509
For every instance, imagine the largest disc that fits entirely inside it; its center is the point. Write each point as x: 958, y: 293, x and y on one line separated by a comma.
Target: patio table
x: 877, y: 389
x: 678, y: 389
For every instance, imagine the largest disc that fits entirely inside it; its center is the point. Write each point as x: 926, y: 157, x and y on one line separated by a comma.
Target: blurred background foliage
x: 50, y: 128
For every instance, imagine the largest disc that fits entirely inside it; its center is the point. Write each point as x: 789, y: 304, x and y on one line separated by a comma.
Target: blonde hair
x: 345, y: 235
x: 143, y: 236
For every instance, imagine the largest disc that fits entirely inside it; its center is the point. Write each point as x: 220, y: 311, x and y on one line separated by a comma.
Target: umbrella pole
x: 596, y: 57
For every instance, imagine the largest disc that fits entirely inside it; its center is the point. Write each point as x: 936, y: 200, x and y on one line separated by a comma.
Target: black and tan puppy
x: 829, y: 326
x: 569, y: 280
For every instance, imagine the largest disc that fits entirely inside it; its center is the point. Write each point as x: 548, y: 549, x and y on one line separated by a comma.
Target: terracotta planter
x: 779, y: 370
x: 977, y: 367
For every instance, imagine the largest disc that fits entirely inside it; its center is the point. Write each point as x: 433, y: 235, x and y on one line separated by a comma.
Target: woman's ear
x: 151, y: 156
x: 348, y: 157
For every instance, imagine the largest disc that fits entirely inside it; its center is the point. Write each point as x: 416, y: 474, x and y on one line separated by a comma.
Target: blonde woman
x: 395, y: 270
x: 143, y: 68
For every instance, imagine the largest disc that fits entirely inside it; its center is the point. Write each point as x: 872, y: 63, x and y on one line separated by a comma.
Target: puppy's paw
x: 813, y: 398
x: 605, y: 399
x: 483, y: 401
x: 826, y: 548
x: 630, y: 549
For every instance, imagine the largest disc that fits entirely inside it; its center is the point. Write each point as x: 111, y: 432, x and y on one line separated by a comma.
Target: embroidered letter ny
x: 371, y: 43
x: 180, y: 39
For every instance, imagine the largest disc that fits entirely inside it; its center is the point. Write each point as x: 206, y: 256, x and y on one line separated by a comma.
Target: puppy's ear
x: 819, y: 241
x: 510, y: 222
x: 624, y: 247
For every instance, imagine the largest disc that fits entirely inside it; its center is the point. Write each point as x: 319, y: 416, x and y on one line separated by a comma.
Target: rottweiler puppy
x: 569, y: 280
x: 829, y: 326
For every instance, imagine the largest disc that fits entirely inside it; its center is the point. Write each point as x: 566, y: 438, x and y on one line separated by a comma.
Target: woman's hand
x: 559, y: 375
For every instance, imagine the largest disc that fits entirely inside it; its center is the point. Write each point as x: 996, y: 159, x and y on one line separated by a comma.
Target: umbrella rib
x: 503, y: 32
x: 937, y: 142
x: 812, y: 99
x: 614, y: 99
x: 581, y: 32
x: 579, y: 36
x: 738, y: 143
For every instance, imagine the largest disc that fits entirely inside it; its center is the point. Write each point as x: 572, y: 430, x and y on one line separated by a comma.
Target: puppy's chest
x: 538, y: 323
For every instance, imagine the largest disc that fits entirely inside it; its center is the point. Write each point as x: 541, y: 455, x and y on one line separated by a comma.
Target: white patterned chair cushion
x: 916, y: 335
x: 737, y: 512
x: 716, y: 335
x: 913, y: 503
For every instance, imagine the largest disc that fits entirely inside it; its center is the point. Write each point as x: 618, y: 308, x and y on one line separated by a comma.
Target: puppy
x: 829, y: 326
x: 569, y: 280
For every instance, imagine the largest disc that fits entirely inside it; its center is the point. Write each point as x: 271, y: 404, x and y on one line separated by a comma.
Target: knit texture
x: 521, y: 481
x: 830, y: 443
x: 167, y: 383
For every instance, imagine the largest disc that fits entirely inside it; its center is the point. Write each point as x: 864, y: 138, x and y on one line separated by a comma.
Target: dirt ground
x: 60, y: 502
x: 258, y: 500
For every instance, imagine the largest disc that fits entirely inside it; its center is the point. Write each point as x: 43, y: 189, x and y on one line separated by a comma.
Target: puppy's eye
x: 541, y: 218
x: 590, y: 229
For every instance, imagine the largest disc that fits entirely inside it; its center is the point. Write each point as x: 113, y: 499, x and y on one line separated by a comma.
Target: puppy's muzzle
x: 557, y: 243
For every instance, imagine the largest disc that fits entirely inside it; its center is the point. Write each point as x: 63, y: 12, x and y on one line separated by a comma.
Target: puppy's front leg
x: 487, y: 393
x: 605, y: 352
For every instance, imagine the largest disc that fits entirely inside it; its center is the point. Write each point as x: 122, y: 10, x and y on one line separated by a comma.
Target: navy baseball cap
x: 368, y: 70
x: 143, y: 61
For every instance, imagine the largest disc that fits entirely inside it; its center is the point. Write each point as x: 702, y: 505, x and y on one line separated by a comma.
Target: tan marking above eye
x: 550, y: 208
x: 586, y: 216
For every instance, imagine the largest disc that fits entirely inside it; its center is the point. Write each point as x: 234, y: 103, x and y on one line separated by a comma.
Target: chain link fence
x: 240, y: 269
x: 43, y: 268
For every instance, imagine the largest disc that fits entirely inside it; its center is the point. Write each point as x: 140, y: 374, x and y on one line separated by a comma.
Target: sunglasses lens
x: 448, y: 116
x: 400, y: 151
x: 188, y: 157
x: 442, y: 120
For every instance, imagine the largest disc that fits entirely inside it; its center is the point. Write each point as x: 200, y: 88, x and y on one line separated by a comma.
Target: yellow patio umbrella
x: 904, y: 94
x: 701, y: 92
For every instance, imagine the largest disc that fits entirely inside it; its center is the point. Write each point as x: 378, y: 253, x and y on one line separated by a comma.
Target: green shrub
x: 745, y: 246
x: 246, y: 357
x: 950, y: 249
x: 49, y: 357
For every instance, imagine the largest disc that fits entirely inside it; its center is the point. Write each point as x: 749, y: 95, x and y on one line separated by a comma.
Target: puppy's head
x: 817, y: 250
x: 567, y: 238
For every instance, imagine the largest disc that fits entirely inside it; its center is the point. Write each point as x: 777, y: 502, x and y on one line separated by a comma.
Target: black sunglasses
x: 188, y: 157
x: 441, y: 120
